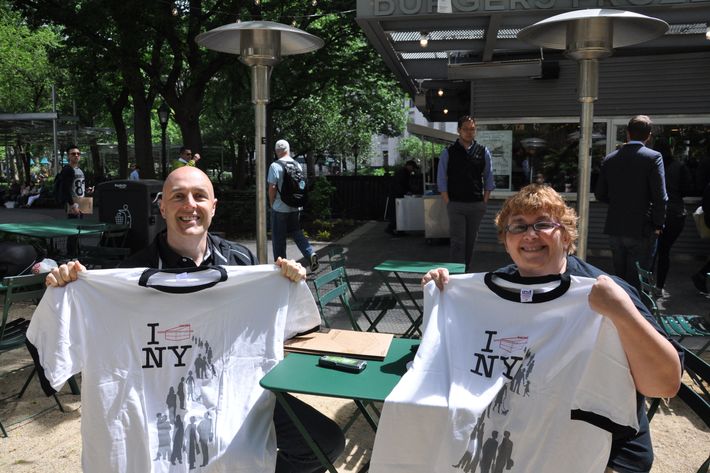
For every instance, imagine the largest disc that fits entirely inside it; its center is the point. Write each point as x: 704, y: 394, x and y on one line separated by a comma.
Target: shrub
x: 319, y: 198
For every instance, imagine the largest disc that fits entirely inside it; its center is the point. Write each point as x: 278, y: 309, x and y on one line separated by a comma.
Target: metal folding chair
x: 674, y: 325
x: 329, y: 287
x: 377, y: 303
x: 13, y: 333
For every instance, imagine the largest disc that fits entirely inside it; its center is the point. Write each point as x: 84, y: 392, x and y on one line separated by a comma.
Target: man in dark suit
x: 632, y: 182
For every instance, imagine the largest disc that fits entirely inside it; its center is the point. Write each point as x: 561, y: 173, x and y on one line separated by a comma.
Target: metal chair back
x: 332, y: 286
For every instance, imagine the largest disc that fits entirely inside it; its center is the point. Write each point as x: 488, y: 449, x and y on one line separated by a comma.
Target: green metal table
x: 420, y: 267
x: 300, y: 373
x: 48, y: 230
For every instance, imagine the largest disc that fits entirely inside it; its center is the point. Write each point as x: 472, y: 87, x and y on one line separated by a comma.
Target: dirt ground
x: 43, y: 439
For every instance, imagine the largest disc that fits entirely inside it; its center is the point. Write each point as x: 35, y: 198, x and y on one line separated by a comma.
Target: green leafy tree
x: 150, y: 48
x: 27, y: 76
x: 27, y: 73
x: 412, y: 147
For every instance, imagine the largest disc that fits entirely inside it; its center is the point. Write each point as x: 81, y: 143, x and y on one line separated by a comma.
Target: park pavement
x: 364, y: 248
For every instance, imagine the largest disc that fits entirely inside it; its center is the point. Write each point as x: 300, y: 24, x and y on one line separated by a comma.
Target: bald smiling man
x: 188, y: 205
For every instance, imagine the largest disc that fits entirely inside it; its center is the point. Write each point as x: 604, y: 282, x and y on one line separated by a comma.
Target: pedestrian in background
x: 679, y: 183
x: 285, y: 220
x: 700, y: 278
x: 135, y: 174
x: 186, y: 158
x: 72, y: 183
x: 465, y: 181
x: 400, y: 186
x: 632, y: 182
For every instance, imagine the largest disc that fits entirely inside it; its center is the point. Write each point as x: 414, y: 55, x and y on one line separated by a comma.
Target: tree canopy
x: 28, y: 73
x: 122, y: 57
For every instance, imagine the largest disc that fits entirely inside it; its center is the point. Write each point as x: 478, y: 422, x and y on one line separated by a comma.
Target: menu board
x: 500, y: 144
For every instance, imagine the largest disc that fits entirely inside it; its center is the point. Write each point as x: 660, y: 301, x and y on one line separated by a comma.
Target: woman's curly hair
x: 537, y: 198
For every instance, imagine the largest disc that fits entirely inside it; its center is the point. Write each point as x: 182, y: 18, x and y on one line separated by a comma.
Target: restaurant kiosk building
x: 525, y: 99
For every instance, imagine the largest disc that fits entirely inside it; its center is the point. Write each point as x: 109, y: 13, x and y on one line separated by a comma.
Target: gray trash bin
x: 134, y: 203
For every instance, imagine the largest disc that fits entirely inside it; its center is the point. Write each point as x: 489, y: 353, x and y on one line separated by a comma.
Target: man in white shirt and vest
x: 465, y: 181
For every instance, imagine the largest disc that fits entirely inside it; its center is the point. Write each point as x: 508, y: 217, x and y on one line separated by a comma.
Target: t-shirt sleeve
x: 606, y: 394
x: 273, y: 175
x: 57, y: 336
x: 302, y: 315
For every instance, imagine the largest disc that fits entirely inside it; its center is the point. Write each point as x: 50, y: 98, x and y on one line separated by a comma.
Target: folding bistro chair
x: 105, y: 250
x: 674, y: 325
x: 13, y: 333
x: 329, y: 287
x: 326, y: 294
x: 377, y: 303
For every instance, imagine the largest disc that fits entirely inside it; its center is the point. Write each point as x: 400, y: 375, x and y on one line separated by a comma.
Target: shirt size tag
x: 526, y: 295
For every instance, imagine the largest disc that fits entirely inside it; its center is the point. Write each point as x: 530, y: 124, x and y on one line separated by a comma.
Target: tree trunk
x: 310, y: 165
x: 143, y: 97
x: 116, y: 109
x: 96, y: 161
x: 15, y: 164
x: 23, y: 163
x: 187, y: 116
x: 143, y: 136
x: 241, y: 169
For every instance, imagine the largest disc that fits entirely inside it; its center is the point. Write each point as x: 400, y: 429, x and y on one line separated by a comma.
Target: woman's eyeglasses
x: 518, y: 228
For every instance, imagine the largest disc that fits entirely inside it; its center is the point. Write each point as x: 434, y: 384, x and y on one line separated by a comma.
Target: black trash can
x: 135, y: 203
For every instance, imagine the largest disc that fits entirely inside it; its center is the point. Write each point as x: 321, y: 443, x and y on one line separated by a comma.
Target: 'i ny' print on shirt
x: 185, y: 428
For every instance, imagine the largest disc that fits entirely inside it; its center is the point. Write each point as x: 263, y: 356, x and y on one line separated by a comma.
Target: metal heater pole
x: 260, y: 96
x: 57, y: 164
x: 260, y: 44
x: 588, y: 86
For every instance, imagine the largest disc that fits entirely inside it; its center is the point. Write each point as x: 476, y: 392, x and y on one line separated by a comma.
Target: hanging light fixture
x: 424, y: 39
x: 446, y: 111
x: 707, y: 31
x: 440, y: 92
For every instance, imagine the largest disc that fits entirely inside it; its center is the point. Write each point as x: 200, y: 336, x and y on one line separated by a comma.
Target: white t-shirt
x: 504, y: 385
x: 78, y: 185
x: 149, y: 357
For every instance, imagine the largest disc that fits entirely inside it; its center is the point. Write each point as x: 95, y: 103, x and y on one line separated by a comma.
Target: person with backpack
x: 287, y: 195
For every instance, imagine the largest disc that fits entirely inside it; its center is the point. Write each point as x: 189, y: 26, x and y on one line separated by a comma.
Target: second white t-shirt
x: 524, y: 379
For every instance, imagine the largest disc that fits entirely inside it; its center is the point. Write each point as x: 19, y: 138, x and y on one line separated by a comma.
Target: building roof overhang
x: 478, y: 41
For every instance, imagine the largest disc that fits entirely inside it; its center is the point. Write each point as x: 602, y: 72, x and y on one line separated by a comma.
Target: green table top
x: 399, y: 266
x: 300, y: 373
x: 52, y: 228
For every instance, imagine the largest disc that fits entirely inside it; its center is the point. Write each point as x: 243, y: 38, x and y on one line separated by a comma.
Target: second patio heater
x: 587, y: 36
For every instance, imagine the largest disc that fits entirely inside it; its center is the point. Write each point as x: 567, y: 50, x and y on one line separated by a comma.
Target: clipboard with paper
x: 367, y: 345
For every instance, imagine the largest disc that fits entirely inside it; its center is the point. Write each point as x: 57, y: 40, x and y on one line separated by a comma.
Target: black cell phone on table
x: 342, y: 363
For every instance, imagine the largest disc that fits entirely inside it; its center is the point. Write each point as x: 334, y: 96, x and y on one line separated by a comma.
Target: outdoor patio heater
x: 260, y: 45
x: 587, y: 36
